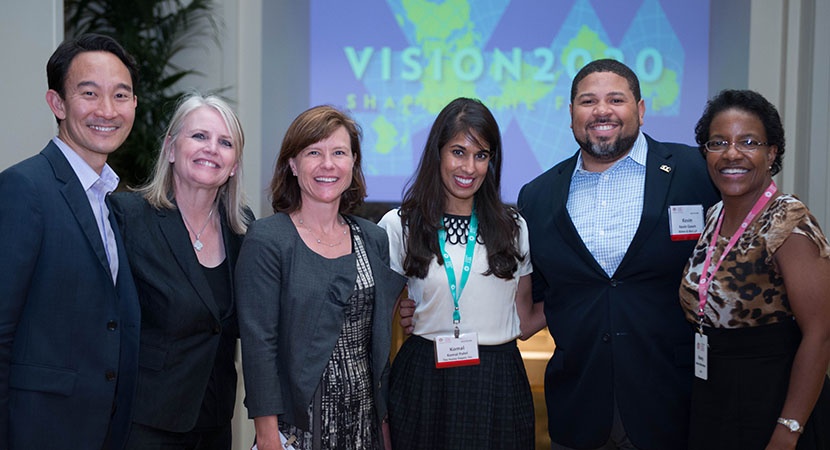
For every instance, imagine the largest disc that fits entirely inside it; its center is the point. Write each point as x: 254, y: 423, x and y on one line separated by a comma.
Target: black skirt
x: 487, y: 406
x: 749, y: 373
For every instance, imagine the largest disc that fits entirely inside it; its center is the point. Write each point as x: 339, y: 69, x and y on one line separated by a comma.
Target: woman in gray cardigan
x: 315, y: 297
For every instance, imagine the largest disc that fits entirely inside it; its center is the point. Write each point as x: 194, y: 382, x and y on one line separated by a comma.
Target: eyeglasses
x: 743, y: 146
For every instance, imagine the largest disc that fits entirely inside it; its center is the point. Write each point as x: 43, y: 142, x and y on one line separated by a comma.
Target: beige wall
x: 789, y: 56
x: 29, y: 33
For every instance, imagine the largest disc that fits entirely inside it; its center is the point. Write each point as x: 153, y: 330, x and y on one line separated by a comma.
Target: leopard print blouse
x: 747, y: 289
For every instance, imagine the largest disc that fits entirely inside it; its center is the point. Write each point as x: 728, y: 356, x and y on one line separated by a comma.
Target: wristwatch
x: 791, y: 425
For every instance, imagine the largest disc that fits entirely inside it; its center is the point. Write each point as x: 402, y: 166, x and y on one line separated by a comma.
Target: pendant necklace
x: 197, y: 244
x: 320, y: 241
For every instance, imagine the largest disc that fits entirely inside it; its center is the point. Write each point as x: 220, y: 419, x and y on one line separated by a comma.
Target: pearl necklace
x: 197, y: 244
x: 320, y: 241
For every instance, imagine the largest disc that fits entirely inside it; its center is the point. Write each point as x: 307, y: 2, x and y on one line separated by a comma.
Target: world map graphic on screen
x: 395, y: 64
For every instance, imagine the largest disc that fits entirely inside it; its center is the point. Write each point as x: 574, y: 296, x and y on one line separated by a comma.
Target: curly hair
x: 752, y: 103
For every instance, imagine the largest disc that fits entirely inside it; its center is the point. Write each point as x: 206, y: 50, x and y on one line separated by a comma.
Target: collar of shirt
x: 86, y: 174
x: 637, y: 154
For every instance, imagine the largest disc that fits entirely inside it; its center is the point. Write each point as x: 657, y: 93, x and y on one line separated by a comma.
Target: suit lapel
x: 232, y: 243
x: 77, y: 200
x: 176, y: 235
x: 562, y: 219
x: 659, y: 174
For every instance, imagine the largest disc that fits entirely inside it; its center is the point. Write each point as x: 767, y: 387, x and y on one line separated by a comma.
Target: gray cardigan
x: 291, y: 304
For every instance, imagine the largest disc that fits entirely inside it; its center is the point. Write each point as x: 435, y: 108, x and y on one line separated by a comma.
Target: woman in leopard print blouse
x: 763, y: 315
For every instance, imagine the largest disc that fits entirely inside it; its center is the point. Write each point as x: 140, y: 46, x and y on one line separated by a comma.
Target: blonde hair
x: 159, y: 191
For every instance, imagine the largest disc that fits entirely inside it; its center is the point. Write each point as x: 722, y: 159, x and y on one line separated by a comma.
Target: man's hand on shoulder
x: 406, y: 310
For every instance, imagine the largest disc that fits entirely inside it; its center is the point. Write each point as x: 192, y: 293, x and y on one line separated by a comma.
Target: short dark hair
x: 61, y: 59
x: 752, y: 103
x: 608, y: 65
x: 312, y: 126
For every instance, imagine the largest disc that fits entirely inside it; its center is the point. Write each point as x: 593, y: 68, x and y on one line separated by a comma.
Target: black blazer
x: 182, y: 331
x: 622, y: 337
x: 68, y: 335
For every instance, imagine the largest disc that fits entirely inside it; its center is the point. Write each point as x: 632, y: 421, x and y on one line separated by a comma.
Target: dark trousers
x: 618, y: 440
x: 207, y: 438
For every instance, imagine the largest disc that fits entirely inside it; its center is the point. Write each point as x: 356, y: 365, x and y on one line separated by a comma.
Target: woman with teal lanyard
x: 459, y: 382
x: 756, y: 289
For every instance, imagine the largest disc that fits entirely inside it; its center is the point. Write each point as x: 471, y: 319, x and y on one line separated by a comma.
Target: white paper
x: 282, y: 441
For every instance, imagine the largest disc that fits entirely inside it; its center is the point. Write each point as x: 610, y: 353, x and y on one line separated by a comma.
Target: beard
x: 608, y: 150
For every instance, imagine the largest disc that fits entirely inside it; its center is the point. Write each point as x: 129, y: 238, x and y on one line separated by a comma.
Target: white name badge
x: 286, y: 442
x: 451, y: 351
x: 685, y: 222
x: 701, y: 356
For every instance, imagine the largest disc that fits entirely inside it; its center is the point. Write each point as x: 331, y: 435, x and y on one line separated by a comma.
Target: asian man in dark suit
x: 69, y: 313
x: 607, y: 269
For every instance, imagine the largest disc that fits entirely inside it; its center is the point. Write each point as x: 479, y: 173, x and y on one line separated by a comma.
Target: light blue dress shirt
x: 605, y: 207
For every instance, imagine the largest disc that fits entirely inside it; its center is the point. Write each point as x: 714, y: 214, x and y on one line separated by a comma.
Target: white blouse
x: 487, y: 303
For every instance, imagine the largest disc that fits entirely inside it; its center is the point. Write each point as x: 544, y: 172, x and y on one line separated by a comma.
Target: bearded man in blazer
x: 608, y: 270
x: 69, y: 313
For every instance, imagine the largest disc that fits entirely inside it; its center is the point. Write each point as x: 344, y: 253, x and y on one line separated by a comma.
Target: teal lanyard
x: 468, y: 263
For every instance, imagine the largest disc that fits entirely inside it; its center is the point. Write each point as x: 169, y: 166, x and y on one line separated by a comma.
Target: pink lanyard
x: 705, y: 278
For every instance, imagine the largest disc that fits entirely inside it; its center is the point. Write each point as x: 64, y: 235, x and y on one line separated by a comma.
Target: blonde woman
x: 182, y: 232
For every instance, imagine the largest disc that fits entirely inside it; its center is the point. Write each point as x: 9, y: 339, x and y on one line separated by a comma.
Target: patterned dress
x: 346, y: 405
x: 752, y: 333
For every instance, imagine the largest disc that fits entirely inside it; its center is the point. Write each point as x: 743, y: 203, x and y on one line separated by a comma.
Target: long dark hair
x: 425, y: 199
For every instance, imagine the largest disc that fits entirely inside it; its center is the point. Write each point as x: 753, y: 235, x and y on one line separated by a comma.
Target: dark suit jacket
x: 68, y: 336
x: 623, y: 336
x: 183, y: 336
x: 292, y: 305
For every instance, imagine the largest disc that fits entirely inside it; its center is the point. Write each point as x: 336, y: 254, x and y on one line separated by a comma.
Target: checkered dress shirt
x: 605, y: 207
